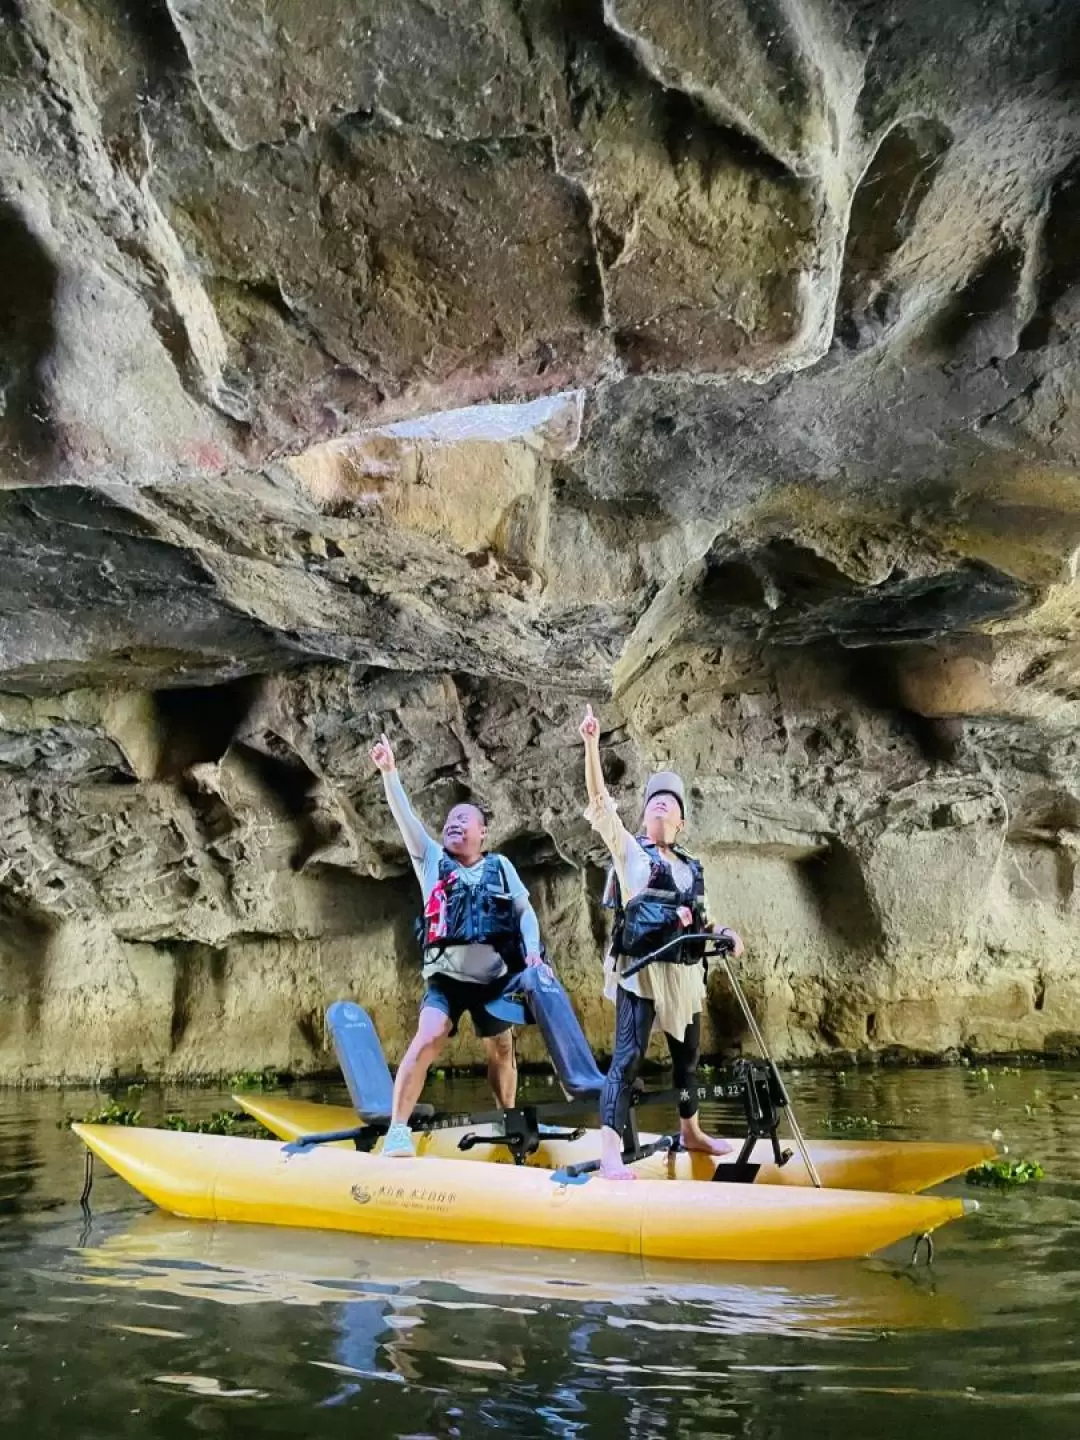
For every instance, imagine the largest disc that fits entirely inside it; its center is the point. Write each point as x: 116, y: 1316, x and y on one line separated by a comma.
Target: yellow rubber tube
x: 901, y: 1167
x: 214, y: 1177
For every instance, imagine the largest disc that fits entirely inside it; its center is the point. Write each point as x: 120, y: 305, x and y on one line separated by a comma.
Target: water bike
x: 823, y: 1200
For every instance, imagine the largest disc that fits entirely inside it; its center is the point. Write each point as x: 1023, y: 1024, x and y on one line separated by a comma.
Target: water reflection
x: 231, y: 1263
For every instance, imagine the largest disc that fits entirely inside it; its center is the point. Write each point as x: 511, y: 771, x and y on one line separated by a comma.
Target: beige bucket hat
x: 666, y: 782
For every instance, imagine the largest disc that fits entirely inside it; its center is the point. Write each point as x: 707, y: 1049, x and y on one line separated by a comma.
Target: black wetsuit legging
x: 634, y: 1017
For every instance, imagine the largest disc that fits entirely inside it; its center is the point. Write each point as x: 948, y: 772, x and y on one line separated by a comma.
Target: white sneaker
x: 398, y: 1141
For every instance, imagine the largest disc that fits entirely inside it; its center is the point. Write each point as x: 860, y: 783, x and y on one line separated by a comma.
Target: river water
x: 133, y: 1323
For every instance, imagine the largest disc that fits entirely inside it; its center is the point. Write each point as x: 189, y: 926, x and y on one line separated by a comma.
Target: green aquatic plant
x: 265, y: 1079
x: 861, y: 1124
x: 221, y: 1122
x: 111, y: 1114
x: 1004, y: 1174
x: 986, y: 1076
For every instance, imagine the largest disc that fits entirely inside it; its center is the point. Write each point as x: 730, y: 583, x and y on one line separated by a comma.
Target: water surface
x: 131, y: 1323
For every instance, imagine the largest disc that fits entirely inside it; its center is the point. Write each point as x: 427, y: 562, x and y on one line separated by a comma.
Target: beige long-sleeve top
x: 678, y: 991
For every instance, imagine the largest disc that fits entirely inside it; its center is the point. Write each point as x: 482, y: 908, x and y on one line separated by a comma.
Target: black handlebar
x: 671, y: 953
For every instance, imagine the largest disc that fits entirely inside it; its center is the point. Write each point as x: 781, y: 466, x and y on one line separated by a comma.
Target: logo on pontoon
x: 360, y: 1195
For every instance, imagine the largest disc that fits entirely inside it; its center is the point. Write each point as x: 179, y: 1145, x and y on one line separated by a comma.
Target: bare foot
x: 617, y: 1172
x: 696, y: 1139
x: 611, y: 1161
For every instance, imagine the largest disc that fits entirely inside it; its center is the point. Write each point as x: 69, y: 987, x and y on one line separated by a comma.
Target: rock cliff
x: 435, y: 367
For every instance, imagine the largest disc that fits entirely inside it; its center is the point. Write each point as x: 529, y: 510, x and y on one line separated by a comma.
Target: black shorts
x: 454, y: 997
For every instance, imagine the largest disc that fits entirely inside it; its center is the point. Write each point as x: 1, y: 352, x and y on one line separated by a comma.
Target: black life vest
x: 460, y: 913
x: 648, y: 919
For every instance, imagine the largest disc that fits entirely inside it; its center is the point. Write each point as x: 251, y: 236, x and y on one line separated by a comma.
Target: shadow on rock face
x: 1057, y: 299
x: 902, y: 609
x: 786, y: 594
x: 25, y: 933
x: 198, y: 723
x: 28, y: 281
x: 836, y: 887
x: 884, y: 212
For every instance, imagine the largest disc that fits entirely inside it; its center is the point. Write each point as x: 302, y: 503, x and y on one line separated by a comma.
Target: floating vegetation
x: 857, y: 1124
x: 267, y: 1079
x: 1005, y: 1174
x: 986, y: 1076
x: 111, y: 1114
x: 221, y: 1122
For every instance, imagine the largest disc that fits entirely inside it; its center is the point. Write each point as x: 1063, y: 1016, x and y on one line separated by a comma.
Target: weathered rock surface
x: 436, y: 367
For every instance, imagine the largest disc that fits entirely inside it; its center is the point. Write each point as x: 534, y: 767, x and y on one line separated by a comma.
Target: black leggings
x: 634, y: 1017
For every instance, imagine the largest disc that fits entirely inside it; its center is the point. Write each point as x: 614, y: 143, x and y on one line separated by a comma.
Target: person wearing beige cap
x: 668, y: 890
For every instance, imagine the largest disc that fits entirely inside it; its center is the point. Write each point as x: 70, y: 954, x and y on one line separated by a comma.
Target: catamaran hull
x: 213, y: 1177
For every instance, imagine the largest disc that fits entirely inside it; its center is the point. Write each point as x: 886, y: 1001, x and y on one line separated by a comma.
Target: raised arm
x: 417, y: 840
x: 601, y: 812
x: 589, y: 731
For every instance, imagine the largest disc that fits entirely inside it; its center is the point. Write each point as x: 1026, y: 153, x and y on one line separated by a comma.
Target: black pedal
x: 663, y: 1145
x: 737, y: 1174
x: 521, y: 1142
x: 514, y: 1143
x: 366, y: 1137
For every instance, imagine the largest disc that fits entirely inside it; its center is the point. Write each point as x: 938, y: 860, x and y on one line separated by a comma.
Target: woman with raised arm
x: 651, y: 867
